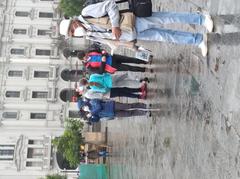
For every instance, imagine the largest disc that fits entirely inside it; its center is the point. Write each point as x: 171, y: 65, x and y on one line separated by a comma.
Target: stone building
x: 34, y: 87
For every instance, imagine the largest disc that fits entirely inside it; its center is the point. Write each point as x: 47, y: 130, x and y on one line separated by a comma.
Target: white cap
x: 64, y: 27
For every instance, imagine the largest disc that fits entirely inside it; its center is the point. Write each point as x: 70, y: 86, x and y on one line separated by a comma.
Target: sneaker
x: 143, y: 95
x: 149, y: 114
x: 146, y: 79
x: 144, y: 87
x: 203, y: 46
x: 150, y: 60
x: 208, y: 23
x: 149, y: 106
x: 150, y: 70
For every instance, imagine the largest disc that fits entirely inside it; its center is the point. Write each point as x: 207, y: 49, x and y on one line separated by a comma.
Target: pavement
x: 196, y: 132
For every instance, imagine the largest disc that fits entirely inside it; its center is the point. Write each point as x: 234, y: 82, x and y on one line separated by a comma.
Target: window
x: 17, y: 51
x: 39, y: 94
x: 22, y: 13
x: 38, y: 116
x: 9, y: 115
x: 6, y: 152
x: 41, y: 32
x: 15, y: 73
x: 42, y: 52
x: 34, y: 164
x: 35, y: 142
x: 34, y: 153
x: 20, y: 31
x: 45, y: 14
x: 13, y: 94
x: 41, y: 74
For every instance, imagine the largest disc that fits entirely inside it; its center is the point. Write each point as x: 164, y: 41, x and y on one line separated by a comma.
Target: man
x: 147, y: 28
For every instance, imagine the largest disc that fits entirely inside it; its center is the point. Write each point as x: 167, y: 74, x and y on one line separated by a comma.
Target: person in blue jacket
x: 96, y: 109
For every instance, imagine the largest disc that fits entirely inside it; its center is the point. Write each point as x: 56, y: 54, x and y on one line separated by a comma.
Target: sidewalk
x: 196, y: 134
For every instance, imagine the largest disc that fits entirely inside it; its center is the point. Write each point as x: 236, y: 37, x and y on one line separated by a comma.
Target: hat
x: 64, y: 27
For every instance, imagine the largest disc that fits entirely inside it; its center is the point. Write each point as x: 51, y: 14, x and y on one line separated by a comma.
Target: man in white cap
x: 145, y: 28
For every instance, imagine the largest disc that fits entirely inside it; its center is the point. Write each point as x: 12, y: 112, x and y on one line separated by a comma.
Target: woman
x: 114, y: 87
x: 102, y: 62
x: 98, y: 109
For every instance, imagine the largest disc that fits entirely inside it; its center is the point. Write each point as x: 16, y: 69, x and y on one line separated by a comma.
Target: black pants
x: 118, y: 60
x: 122, y: 109
x: 125, y: 92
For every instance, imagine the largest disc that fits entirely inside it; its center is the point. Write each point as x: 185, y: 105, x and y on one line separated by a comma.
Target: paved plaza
x: 196, y: 132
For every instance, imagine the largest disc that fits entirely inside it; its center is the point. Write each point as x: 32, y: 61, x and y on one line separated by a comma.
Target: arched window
x: 72, y: 75
x: 66, y: 94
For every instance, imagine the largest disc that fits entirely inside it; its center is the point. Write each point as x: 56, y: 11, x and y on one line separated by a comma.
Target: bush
x: 71, y: 7
x: 69, y: 143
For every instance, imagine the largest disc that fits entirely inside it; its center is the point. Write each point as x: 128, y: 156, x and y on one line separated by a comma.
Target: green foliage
x: 55, y: 176
x: 69, y: 143
x: 71, y: 7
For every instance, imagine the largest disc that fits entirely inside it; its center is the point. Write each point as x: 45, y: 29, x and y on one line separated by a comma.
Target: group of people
x: 94, y: 94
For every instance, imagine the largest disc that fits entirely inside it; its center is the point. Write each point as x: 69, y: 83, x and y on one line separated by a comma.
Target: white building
x: 33, y: 81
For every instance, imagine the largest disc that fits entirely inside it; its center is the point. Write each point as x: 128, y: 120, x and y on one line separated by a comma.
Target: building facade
x: 35, y: 81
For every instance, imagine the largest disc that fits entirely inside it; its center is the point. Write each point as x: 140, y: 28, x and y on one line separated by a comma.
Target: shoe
x: 144, y: 87
x: 208, y: 23
x: 149, y: 106
x: 150, y: 70
x: 203, y: 46
x: 150, y: 60
x: 149, y: 114
x: 143, y: 95
x: 146, y: 79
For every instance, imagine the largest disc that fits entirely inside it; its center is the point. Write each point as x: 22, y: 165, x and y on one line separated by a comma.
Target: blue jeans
x: 149, y: 28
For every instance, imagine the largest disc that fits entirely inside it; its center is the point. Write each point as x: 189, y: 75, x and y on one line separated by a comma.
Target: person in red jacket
x: 102, y: 62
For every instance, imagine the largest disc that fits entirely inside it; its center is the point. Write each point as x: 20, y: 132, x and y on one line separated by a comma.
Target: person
x: 146, y: 28
x: 98, y: 109
x: 96, y: 61
x: 87, y: 93
x: 93, y: 155
x: 113, y: 86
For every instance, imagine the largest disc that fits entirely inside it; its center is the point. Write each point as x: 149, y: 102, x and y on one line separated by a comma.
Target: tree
x: 55, y: 176
x: 69, y: 143
x: 71, y: 7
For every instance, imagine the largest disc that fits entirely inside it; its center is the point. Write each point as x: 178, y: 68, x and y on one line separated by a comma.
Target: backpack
x: 140, y: 8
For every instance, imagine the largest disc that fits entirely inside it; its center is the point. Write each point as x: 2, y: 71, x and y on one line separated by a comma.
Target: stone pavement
x: 196, y: 133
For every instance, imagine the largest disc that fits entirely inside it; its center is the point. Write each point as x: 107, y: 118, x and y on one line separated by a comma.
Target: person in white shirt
x: 146, y: 28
